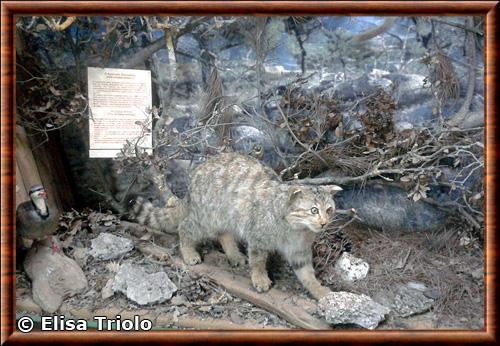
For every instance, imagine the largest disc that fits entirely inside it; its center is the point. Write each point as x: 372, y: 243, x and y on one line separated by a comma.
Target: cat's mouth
x: 317, y: 229
x: 313, y: 228
x: 303, y: 225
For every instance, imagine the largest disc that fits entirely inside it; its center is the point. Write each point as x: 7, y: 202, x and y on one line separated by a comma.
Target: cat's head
x: 311, y: 207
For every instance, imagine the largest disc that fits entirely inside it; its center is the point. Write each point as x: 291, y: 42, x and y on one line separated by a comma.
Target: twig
x: 66, y: 24
x: 306, y: 147
x: 109, y: 199
x: 371, y: 33
x: 405, y: 260
x: 458, y: 25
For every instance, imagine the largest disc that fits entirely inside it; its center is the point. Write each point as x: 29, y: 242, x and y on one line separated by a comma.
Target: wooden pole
x: 21, y: 192
x: 25, y: 161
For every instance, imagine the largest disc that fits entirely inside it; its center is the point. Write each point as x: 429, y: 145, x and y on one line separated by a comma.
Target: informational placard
x: 119, y: 101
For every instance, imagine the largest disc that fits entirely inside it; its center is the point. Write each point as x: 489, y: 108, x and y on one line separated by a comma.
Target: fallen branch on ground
x: 288, y: 307
x: 274, y: 300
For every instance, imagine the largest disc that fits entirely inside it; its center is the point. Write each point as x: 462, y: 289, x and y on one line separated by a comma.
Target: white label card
x: 119, y: 101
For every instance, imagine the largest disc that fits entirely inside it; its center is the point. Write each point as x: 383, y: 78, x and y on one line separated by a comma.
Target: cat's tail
x: 164, y: 219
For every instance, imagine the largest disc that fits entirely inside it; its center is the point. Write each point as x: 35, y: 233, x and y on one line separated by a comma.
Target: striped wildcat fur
x: 235, y: 197
x: 165, y: 219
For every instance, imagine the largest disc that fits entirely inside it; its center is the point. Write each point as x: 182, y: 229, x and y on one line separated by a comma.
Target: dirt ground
x: 449, y: 263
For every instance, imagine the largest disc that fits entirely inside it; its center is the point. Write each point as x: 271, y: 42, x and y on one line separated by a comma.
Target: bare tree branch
x: 470, y: 46
x: 371, y: 33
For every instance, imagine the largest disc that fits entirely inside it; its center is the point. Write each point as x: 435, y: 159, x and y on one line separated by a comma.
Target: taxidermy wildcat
x: 235, y: 197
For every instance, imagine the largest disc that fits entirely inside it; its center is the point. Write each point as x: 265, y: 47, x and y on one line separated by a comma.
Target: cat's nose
x: 323, y: 225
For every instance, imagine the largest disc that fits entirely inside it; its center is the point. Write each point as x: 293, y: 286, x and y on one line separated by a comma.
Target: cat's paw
x: 320, y: 291
x: 237, y: 260
x: 191, y: 257
x: 261, y: 282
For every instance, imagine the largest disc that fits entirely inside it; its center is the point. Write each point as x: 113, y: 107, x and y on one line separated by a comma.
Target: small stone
x: 424, y: 321
x: 477, y: 274
x: 465, y: 241
x: 178, y: 300
x: 141, y: 287
x: 417, y: 286
x: 175, y: 315
x: 402, y: 126
x: 205, y: 308
x: 432, y: 293
x: 236, y: 318
x: 182, y: 310
x: 108, y: 246
x: 107, y: 290
x: 80, y: 255
x: 218, y: 310
x: 350, y: 308
x: 351, y: 268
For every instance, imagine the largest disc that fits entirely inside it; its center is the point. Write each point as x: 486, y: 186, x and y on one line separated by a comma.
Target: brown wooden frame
x: 10, y: 9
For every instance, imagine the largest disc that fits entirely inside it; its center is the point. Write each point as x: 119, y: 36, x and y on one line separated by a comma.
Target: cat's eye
x: 329, y: 211
x: 314, y: 210
x: 257, y: 148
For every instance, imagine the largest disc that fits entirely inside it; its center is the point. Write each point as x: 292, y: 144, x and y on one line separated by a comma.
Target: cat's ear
x: 333, y: 189
x: 294, y: 193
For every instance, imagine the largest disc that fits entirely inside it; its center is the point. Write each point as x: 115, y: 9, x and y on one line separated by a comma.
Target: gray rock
x: 433, y: 293
x: 350, y: 308
x: 53, y: 275
x: 351, y: 268
x: 402, y: 126
x: 407, y: 300
x: 417, y: 286
x: 179, y: 300
x: 141, y: 287
x: 107, y: 290
x: 477, y: 274
x: 388, y: 207
x: 108, y: 246
x: 80, y: 255
x: 351, y: 89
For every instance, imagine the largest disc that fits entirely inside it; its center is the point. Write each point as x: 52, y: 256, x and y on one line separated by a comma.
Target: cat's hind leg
x: 257, y: 259
x: 233, y: 254
x: 188, y: 242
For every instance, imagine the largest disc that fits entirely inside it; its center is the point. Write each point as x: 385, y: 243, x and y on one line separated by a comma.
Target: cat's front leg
x: 257, y: 259
x: 188, y: 250
x: 305, y: 274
